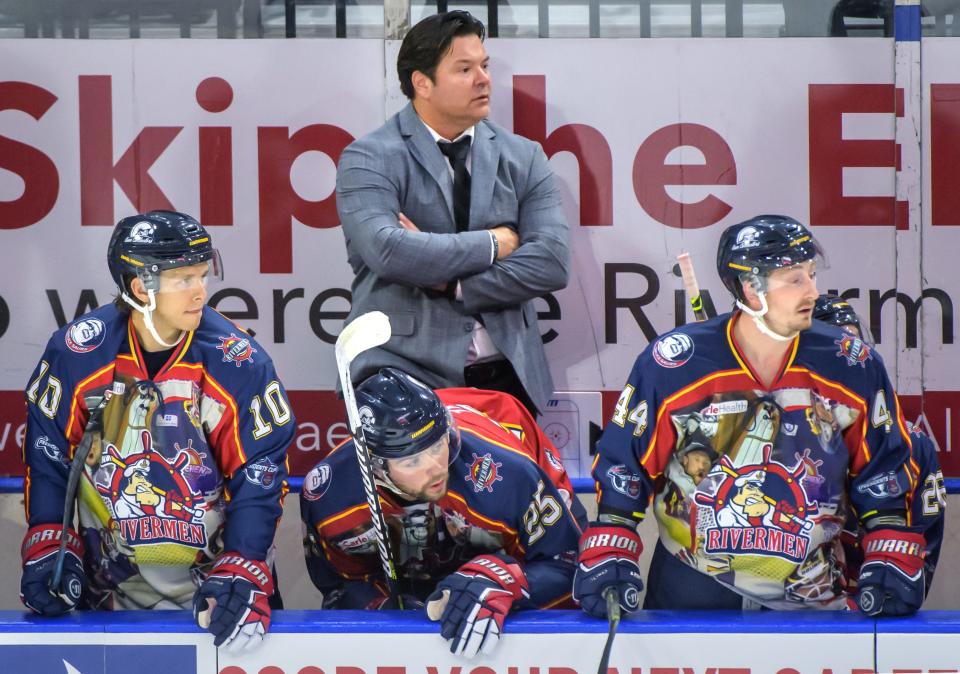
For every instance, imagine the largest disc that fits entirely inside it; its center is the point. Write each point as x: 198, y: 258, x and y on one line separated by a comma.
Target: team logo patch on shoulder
x: 317, y: 481
x: 623, y: 481
x: 854, y: 350
x: 50, y: 450
x: 884, y: 485
x: 86, y: 335
x: 262, y: 472
x: 673, y: 350
x: 236, y: 350
x: 484, y: 472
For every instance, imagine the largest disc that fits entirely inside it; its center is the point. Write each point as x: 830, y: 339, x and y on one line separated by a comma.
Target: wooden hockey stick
x: 691, y: 286
x: 365, y: 332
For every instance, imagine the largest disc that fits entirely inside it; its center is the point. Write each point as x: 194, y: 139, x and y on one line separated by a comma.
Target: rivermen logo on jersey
x: 484, y: 472
x: 673, y: 350
x: 236, y: 350
x: 759, y: 509
x: 86, y: 335
x: 151, y: 500
x: 854, y: 350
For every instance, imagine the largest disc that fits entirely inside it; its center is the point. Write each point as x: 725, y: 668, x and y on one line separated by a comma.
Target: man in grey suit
x: 453, y: 225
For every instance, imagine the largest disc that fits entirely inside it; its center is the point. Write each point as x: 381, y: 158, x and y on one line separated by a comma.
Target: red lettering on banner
x: 561, y: 670
x: 41, y: 182
x: 391, y: 670
x: 944, y: 159
x: 664, y: 670
x: 788, y: 670
x: 482, y: 670
x: 830, y: 154
x: 586, y: 143
x: 691, y: 670
x: 233, y: 669
x: 651, y: 175
x: 349, y: 670
x: 270, y: 669
x: 131, y: 172
x: 215, y: 155
x: 279, y: 202
x: 310, y: 669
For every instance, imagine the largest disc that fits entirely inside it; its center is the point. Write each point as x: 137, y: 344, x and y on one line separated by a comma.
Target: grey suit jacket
x: 399, y: 168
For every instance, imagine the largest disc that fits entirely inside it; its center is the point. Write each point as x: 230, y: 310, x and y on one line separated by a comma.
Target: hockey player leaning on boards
x: 477, y: 526
x: 184, y: 426
x: 801, y: 426
x: 930, y: 497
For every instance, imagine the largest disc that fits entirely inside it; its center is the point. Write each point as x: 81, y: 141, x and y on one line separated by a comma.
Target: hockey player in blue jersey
x: 929, y: 501
x: 184, y: 425
x: 801, y: 426
x: 477, y: 527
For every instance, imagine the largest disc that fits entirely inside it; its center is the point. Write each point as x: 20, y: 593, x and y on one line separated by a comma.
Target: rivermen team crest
x: 236, y: 350
x: 854, y: 350
x: 152, y: 500
x: 760, y: 509
x: 484, y: 472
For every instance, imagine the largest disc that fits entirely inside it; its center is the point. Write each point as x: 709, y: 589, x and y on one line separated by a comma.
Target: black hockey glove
x: 472, y: 602
x: 892, y: 575
x: 609, y: 556
x: 232, y: 603
x: 39, y: 554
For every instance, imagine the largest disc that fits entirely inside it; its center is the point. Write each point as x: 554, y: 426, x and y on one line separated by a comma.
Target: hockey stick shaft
x: 691, y: 286
x: 73, y: 481
x: 612, y: 597
x: 366, y: 332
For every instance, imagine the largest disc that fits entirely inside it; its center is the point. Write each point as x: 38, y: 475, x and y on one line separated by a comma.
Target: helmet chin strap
x: 757, y: 317
x: 147, y: 312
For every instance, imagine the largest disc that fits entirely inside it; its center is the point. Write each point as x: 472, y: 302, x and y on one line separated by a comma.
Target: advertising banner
x: 654, y: 156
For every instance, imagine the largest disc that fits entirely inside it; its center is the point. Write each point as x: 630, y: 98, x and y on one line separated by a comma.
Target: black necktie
x: 457, y: 154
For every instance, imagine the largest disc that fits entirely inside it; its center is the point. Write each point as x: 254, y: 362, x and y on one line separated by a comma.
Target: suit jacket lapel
x: 484, y: 157
x: 426, y: 153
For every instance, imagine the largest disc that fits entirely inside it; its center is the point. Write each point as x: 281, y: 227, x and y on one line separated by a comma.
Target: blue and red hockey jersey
x: 498, y: 499
x: 182, y: 466
x: 752, y: 485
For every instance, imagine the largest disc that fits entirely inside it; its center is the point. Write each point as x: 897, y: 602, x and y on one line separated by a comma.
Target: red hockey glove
x: 232, y: 603
x: 472, y: 603
x: 891, y: 579
x: 609, y: 556
x: 39, y: 554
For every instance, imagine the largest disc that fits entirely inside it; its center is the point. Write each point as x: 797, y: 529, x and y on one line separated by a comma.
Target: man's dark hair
x: 427, y: 43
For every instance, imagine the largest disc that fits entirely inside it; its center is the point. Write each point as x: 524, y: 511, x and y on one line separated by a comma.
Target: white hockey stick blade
x: 365, y: 332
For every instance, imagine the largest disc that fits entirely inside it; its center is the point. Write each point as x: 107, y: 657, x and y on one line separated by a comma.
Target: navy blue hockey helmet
x: 144, y: 245
x: 760, y: 245
x: 402, y: 416
x: 835, y: 310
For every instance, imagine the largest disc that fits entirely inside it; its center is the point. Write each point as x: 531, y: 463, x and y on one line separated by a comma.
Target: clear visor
x: 192, y: 277
x: 795, y: 276
x: 448, y: 445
